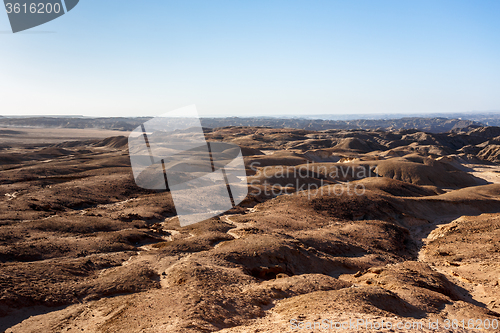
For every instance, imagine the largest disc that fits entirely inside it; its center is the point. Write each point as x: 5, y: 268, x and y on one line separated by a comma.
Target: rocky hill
x: 372, y: 225
x: 433, y: 125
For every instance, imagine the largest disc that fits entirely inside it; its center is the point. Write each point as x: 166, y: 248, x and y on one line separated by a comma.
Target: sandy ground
x: 76, y: 230
x: 490, y: 173
x: 14, y: 135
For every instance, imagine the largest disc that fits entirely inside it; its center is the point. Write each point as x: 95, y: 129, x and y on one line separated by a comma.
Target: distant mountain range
x: 428, y: 124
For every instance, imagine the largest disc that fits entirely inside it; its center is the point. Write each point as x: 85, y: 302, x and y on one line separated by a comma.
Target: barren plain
x: 399, y: 226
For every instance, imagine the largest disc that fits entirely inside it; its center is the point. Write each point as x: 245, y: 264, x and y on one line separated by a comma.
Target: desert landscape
x: 376, y: 225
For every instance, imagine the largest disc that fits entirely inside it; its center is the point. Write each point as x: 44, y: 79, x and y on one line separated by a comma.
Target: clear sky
x: 255, y: 57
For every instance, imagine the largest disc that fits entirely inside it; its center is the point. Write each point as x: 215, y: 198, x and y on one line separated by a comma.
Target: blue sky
x: 244, y: 58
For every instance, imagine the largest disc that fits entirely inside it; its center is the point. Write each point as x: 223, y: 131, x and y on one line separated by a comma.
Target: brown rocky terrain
x: 433, y: 124
x: 400, y: 226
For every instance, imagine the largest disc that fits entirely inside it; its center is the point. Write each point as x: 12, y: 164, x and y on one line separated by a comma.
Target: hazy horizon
x: 352, y: 116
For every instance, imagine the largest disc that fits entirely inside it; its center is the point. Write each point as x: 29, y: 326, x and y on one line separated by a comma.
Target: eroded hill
x: 339, y: 225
